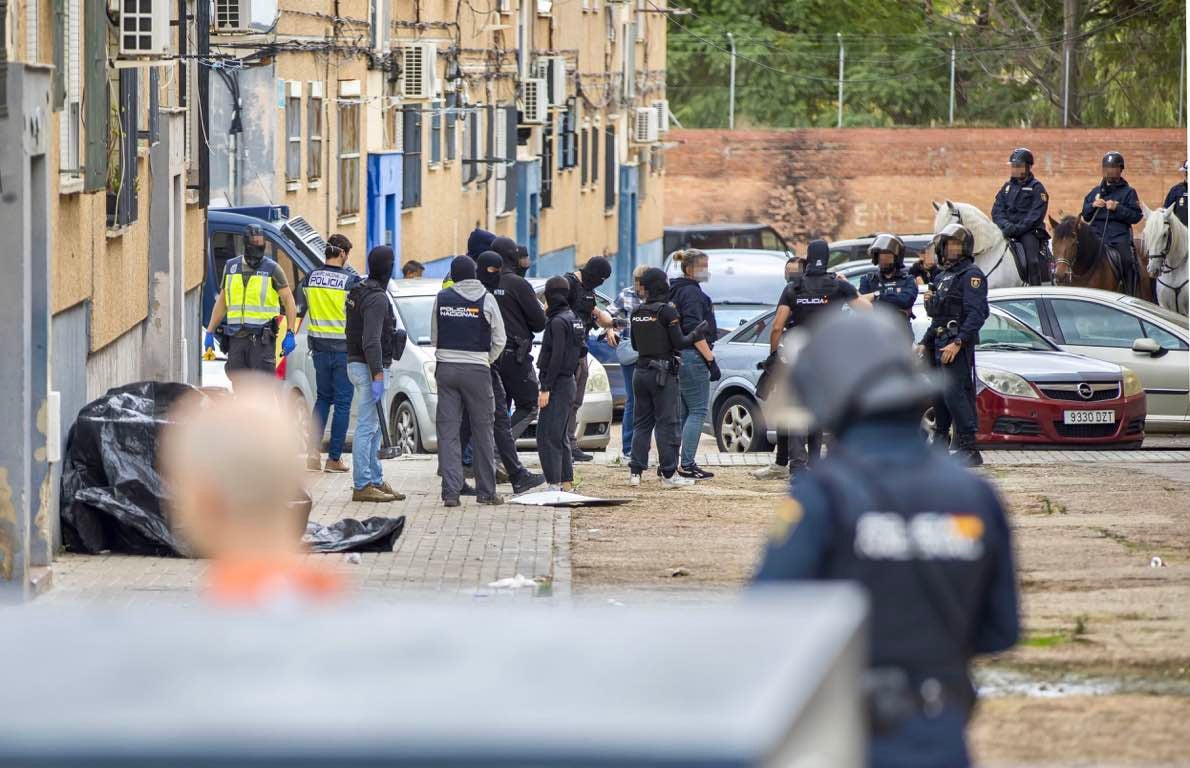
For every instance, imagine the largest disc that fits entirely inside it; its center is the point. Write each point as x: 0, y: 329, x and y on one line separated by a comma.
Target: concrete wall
x: 851, y: 182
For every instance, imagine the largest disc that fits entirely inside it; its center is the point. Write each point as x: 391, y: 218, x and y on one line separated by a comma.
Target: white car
x: 411, y: 399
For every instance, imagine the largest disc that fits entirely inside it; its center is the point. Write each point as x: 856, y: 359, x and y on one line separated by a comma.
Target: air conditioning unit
x: 419, y: 62
x: 552, y: 69
x: 534, y: 104
x: 662, y: 107
x: 644, y: 125
x: 144, y: 28
x: 243, y: 15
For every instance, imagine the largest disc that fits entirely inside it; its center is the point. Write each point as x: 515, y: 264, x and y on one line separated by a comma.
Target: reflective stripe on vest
x: 326, y: 294
x: 251, y: 302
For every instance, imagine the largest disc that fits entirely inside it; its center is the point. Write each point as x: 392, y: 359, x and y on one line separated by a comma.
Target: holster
x: 892, y: 698
x: 520, y: 350
x: 663, y: 371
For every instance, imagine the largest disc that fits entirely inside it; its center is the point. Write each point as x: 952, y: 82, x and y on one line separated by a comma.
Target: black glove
x: 713, y: 367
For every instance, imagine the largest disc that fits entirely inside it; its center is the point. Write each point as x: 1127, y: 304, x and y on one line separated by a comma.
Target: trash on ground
x: 353, y: 558
x: 376, y: 534
x: 516, y: 582
x: 564, y: 499
x: 676, y: 572
x: 1156, y: 562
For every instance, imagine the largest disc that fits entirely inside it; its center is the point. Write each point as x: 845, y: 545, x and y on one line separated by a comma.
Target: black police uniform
x: 931, y: 545
x: 1019, y: 212
x: 958, y: 310
x: 1176, y: 199
x: 896, y: 291
x: 523, y: 317
x: 561, y: 345
x: 1114, y: 228
x: 582, y: 303
x: 807, y: 295
x: 657, y: 337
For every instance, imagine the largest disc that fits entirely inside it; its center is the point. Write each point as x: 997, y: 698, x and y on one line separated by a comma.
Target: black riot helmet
x: 878, y: 375
x: 1113, y: 160
x: 955, y: 232
x: 891, y: 243
x: 655, y: 283
x: 1021, y: 155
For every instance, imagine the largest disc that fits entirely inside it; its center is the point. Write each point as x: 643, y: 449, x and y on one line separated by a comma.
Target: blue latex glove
x: 377, y: 389
x: 209, y: 341
x: 288, y: 343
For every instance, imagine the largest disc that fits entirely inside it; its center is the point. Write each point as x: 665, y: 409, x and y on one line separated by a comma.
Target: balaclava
x: 487, y: 269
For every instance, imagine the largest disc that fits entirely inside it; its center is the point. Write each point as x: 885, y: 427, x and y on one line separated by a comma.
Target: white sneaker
x: 772, y: 472
x: 634, y: 479
x: 677, y: 481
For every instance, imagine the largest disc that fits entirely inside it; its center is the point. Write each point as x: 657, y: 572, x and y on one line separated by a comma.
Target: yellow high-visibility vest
x: 250, y: 295
x: 326, y: 297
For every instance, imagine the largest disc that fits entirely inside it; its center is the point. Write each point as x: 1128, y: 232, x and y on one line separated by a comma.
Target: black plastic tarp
x: 113, y: 498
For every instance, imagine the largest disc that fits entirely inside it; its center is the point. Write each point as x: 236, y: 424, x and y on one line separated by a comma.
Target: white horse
x: 1165, y: 241
x: 991, y: 247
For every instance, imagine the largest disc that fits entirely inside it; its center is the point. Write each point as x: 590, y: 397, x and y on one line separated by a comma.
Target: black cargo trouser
x: 520, y: 385
x: 798, y: 451
x: 580, y: 388
x: 655, y: 407
x: 505, y: 443
x: 552, y: 446
x: 1036, y: 268
x: 251, y: 353
x: 959, y: 392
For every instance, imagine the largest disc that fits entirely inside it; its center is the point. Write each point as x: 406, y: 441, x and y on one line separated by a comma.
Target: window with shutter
x: 582, y: 165
x: 349, y: 156
x: 435, y: 132
x: 497, y: 150
x: 595, y: 139
x: 314, y: 132
x: 609, y: 169
x: 293, y: 137
x: 70, y: 121
x: 411, y: 164
x: 510, y: 177
x: 96, y: 95
x: 452, y: 101
x: 121, y: 182
x: 547, y: 164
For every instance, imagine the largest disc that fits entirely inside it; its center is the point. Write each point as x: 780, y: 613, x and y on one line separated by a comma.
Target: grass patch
x: 1076, y: 634
x: 1117, y: 537
x: 1046, y: 506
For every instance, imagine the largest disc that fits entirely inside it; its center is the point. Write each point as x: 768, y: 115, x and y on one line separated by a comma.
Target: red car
x: 1028, y: 392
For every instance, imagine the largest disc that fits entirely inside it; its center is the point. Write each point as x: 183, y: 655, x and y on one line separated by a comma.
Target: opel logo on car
x: 1085, y: 391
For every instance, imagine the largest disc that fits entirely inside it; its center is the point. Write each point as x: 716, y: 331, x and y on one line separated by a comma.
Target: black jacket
x: 1020, y: 208
x: 1176, y: 199
x: 522, y: 312
x: 561, y: 347
x: 1113, y: 227
x: 372, y: 335
x: 693, y: 307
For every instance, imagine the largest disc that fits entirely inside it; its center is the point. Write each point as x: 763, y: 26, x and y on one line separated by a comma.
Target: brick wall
x: 847, y: 183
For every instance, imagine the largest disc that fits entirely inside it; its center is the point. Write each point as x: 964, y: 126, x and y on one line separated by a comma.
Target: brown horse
x: 1081, y: 259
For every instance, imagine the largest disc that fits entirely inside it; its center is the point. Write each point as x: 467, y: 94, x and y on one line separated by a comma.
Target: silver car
x: 1119, y: 329
x: 411, y: 398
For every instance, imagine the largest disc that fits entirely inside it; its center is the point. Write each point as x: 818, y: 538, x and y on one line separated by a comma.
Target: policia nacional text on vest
x: 326, y: 316
x: 462, y: 325
x: 813, y: 294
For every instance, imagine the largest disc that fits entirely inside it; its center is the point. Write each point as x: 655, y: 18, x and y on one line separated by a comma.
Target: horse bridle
x: 1165, y: 269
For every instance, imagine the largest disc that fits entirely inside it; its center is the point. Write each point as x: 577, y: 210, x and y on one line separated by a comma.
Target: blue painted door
x: 528, y: 206
x: 625, y: 260
x: 383, y: 224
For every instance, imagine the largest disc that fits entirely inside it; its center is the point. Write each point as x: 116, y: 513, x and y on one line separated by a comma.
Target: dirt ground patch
x: 1086, y: 536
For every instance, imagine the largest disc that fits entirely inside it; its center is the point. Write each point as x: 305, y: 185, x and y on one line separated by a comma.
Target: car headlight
x: 597, y: 382
x: 429, y: 368
x: 1006, y: 383
x: 1132, y: 385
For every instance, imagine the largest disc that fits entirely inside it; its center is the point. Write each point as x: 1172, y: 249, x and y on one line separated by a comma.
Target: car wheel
x: 739, y: 427
x: 404, y: 431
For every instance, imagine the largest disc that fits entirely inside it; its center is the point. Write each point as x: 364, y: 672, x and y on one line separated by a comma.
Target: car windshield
x: 415, y: 314
x: 1153, y: 309
x: 1007, y: 333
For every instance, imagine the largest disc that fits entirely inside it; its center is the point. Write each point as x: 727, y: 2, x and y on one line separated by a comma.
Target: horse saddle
x: 1123, y: 264
x: 1021, y: 259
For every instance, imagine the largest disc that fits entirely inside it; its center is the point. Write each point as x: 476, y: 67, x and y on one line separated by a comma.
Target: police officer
x: 926, y: 268
x: 326, y: 331
x: 815, y: 291
x: 1176, y: 197
x: 1113, y: 207
x: 890, y: 286
x: 488, y: 272
x: 523, y: 317
x: 561, y: 346
x: 467, y: 333
x: 957, y: 304
x: 1019, y: 212
x: 583, y: 283
x: 699, y: 367
x: 656, y: 335
x: 929, y: 542
x: 252, y: 292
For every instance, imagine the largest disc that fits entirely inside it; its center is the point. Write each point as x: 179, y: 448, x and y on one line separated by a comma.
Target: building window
x: 121, y: 174
x: 293, y: 133
x: 609, y: 169
x: 411, y: 169
x: 471, y: 130
x: 436, y: 133
x: 584, y: 174
x: 568, y: 136
x: 503, y: 158
x: 70, y: 124
x: 595, y: 154
x: 547, y: 164
x: 451, y: 116
x: 348, y: 183
x: 314, y: 132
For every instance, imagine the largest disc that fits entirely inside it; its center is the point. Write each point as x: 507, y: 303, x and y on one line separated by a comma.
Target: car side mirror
x: 1148, y: 346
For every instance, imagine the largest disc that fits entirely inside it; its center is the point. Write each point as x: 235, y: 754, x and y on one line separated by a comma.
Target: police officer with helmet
x: 656, y: 335
x: 957, y: 304
x: 252, y: 292
x: 890, y: 286
x: 1176, y: 197
x: 1019, y: 212
x: 1113, y: 207
x: 929, y: 542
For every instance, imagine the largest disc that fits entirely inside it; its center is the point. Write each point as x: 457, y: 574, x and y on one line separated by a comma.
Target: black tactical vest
x: 813, y: 294
x: 462, y: 325
x: 649, y: 336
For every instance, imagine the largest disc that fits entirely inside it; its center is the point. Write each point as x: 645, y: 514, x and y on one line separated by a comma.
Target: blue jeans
x: 694, y: 384
x: 334, y: 389
x: 629, y: 400
x: 365, y: 465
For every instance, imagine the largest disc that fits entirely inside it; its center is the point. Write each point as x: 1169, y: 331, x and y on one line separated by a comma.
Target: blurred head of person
x: 412, y: 269
x: 636, y: 276
x: 694, y: 264
x: 793, y: 267
x: 341, y: 242
x: 1113, y: 167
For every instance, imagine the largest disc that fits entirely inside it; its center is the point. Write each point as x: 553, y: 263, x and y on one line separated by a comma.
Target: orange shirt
x: 259, y: 582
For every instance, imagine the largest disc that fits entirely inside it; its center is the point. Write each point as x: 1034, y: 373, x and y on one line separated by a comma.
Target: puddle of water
x: 996, y: 683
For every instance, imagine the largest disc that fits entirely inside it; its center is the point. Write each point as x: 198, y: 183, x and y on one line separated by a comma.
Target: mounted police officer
x: 253, y: 289
x: 1019, y: 212
x: 890, y: 286
x: 656, y: 335
x: 1176, y: 197
x: 1113, y: 207
x: 807, y: 295
x: 957, y: 304
x: 929, y: 541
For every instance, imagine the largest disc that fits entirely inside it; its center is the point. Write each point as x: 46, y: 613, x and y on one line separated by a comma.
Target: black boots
x: 967, y: 454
